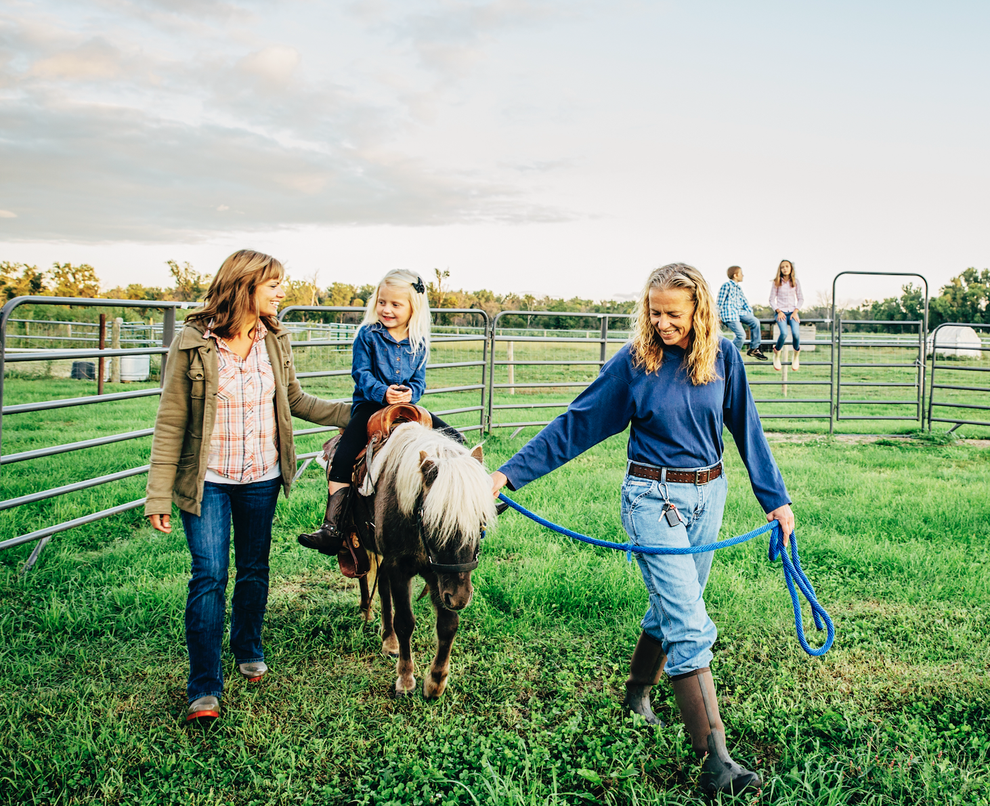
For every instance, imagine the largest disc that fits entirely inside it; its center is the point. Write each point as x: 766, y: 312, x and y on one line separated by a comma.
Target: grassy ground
x: 893, y: 534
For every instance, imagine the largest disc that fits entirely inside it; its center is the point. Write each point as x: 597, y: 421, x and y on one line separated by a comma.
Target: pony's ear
x: 428, y: 467
x: 478, y: 454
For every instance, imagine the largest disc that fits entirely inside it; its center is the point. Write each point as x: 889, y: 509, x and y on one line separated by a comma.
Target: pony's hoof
x: 432, y: 689
x: 390, y: 646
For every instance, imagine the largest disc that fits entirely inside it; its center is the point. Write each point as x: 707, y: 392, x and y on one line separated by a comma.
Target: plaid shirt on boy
x: 732, y: 301
x: 244, y: 444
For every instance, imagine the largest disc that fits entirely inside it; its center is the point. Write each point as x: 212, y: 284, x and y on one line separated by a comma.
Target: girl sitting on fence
x: 785, y: 299
x: 222, y: 448
x: 388, y: 366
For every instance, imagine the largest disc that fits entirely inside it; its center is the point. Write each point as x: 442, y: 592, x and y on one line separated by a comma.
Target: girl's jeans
x: 676, y: 615
x: 251, y: 508
x: 795, y: 332
x: 355, y: 437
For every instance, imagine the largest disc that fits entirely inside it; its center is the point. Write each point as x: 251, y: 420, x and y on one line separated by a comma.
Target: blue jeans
x: 251, y: 507
x: 795, y: 332
x: 676, y: 614
x: 736, y: 326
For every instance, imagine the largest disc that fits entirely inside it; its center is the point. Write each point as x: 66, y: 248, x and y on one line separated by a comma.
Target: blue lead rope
x: 793, y: 573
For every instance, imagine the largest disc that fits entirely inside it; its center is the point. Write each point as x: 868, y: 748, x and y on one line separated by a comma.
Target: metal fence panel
x: 958, y: 358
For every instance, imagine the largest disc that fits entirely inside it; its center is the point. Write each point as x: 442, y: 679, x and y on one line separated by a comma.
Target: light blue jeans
x: 676, y: 615
x: 736, y: 326
x: 795, y: 332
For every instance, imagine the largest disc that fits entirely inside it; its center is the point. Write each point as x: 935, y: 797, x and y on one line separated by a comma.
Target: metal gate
x: 8, y: 356
x: 898, y: 392
x: 954, y: 358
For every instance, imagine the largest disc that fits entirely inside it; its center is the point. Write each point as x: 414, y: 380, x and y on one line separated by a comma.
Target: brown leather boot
x: 645, y: 669
x: 329, y: 537
x: 695, y: 695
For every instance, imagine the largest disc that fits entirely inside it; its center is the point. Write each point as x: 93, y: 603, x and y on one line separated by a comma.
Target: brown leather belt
x: 676, y: 476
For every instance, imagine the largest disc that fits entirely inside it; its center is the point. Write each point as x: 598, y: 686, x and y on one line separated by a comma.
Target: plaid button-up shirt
x: 244, y: 444
x: 732, y: 301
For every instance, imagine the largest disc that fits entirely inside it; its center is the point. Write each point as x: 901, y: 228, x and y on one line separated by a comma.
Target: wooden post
x: 115, y: 344
x: 103, y: 344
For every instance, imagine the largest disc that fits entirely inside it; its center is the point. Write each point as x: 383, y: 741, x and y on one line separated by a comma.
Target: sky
x: 549, y: 147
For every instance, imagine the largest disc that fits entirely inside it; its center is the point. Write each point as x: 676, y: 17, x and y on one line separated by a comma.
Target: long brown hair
x: 230, y: 297
x: 703, y: 340
x: 793, y: 278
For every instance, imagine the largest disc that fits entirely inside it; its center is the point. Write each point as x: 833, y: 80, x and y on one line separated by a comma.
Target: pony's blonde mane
x: 460, y: 498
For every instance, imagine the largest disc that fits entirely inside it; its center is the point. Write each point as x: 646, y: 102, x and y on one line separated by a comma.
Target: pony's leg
x: 404, y: 622
x: 368, y: 583
x: 447, y: 621
x: 390, y: 644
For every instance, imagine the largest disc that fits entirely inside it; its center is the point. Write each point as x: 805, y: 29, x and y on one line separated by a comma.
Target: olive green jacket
x: 188, y: 409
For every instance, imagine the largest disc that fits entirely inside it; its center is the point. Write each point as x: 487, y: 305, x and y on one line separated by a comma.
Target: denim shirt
x: 379, y: 361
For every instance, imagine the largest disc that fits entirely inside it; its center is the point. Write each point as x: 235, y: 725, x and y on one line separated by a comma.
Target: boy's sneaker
x: 757, y: 353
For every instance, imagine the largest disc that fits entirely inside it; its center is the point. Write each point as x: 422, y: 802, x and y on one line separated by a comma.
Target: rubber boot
x: 776, y: 359
x: 645, y: 669
x: 695, y: 695
x: 329, y: 538
x: 796, y: 361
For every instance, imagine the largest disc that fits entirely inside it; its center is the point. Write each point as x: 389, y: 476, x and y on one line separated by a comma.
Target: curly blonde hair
x: 419, y: 319
x: 703, y: 339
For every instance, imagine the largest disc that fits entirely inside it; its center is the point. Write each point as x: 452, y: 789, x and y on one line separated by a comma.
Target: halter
x: 446, y: 568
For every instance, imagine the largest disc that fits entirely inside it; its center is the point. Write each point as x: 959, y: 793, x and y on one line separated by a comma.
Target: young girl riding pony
x: 388, y: 366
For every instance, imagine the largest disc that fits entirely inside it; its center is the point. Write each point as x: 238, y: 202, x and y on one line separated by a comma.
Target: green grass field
x: 893, y: 535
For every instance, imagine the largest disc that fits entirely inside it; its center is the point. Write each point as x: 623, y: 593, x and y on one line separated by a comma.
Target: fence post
x: 168, y: 333
x: 115, y: 344
x: 100, y: 363
x: 602, y: 351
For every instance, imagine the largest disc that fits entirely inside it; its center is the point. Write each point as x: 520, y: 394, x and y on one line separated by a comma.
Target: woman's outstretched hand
x: 785, y: 517
x: 498, y: 482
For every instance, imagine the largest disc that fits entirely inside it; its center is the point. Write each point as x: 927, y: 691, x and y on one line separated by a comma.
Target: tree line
x: 965, y: 298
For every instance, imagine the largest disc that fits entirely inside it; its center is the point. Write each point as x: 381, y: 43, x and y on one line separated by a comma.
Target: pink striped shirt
x: 787, y: 298
x: 244, y: 444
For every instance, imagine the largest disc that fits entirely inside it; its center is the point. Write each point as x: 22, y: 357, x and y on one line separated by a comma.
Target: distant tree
x: 966, y: 298
x: 300, y: 292
x: 435, y: 291
x: 74, y: 281
x: 20, y: 280
x: 136, y: 291
x: 338, y: 294
x: 190, y: 285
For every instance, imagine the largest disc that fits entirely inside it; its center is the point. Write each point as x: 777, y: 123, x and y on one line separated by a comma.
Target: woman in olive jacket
x: 222, y: 448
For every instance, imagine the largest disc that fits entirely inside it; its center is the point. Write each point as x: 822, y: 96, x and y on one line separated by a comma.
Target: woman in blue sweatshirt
x: 677, y: 383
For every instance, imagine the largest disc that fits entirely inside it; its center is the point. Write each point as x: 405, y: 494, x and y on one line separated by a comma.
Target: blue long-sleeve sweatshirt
x: 379, y: 361
x: 674, y: 423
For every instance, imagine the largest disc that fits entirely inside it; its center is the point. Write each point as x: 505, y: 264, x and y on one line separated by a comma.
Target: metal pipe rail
x: 8, y: 357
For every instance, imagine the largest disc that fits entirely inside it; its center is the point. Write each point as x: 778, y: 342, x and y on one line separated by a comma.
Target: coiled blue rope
x: 794, y: 575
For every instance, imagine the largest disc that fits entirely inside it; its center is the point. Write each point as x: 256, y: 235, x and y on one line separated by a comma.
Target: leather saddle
x: 353, y: 555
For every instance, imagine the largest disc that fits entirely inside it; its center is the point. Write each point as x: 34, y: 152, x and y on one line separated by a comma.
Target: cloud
x: 449, y: 36
x: 7, y: 214
x: 93, y: 60
x: 116, y: 132
x: 97, y: 174
x: 271, y: 67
